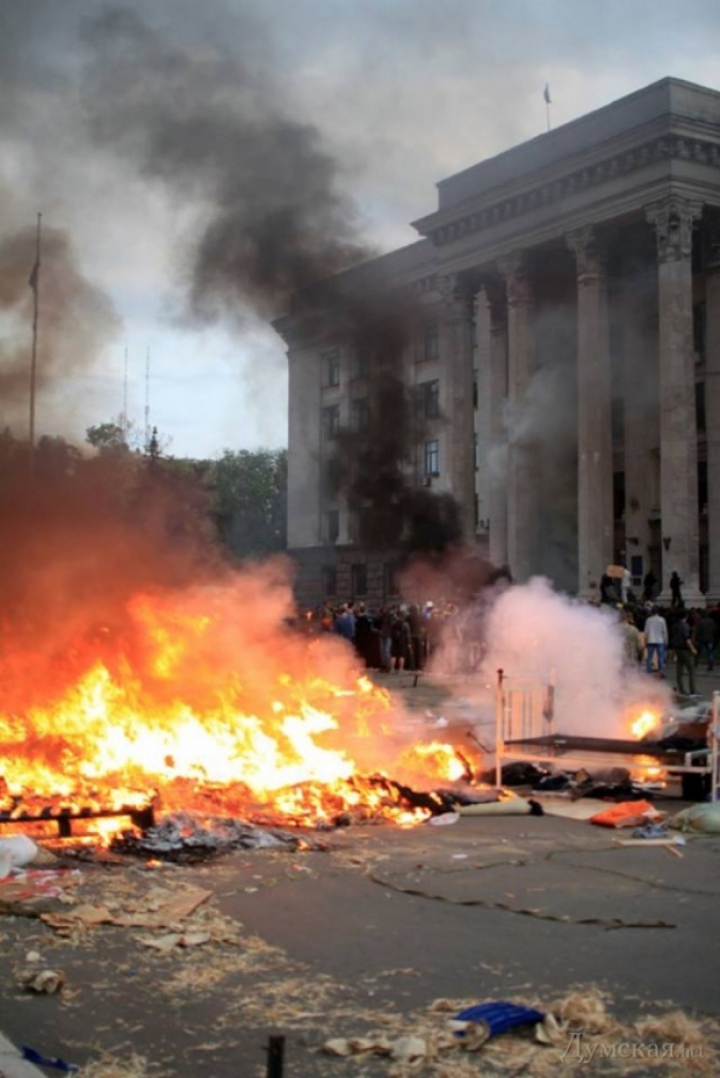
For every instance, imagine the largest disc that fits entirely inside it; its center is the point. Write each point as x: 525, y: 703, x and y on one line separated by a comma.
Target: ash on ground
x: 182, y: 837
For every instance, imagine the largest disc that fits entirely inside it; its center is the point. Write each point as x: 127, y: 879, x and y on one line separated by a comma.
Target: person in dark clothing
x: 676, y: 598
x: 401, y: 642
x: 386, y: 620
x: 649, y: 586
x: 417, y: 638
x: 607, y: 589
x: 682, y: 644
x: 363, y: 634
x: 705, y: 637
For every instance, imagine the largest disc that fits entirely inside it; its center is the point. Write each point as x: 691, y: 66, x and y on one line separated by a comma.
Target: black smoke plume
x: 212, y: 127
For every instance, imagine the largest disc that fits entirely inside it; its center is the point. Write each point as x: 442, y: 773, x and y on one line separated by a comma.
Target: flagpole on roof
x: 34, y: 283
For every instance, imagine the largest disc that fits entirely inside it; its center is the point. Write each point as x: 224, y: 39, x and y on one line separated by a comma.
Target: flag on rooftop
x: 546, y: 94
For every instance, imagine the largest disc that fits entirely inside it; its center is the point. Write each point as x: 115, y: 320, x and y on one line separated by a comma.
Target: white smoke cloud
x: 537, y: 636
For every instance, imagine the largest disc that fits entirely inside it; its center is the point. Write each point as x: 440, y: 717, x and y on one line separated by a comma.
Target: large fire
x: 207, y: 698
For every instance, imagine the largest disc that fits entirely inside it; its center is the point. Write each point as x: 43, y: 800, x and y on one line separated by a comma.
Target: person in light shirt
x: 656, y: 641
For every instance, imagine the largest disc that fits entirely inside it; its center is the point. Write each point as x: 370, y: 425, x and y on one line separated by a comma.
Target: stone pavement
x: 364, y: 935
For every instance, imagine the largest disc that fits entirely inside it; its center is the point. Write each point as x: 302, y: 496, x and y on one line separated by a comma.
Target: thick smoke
x: 210, y: 126
x: 77, y: 318
x: 537, y: 636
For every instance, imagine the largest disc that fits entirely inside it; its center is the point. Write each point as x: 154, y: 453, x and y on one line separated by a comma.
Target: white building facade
x: 565, y: 357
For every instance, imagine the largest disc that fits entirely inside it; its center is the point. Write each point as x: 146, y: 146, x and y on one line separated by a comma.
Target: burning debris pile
x: 206, y: 701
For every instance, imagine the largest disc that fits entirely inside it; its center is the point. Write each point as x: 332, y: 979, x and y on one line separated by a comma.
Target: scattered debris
x: 702, y: 818
x: 181, y: 836
x: 626, y: 814
x: 33, y: 1056
x: 45, y: 981
x: 479, y: 1023
x: 16, y: 851
x: 161, y: 910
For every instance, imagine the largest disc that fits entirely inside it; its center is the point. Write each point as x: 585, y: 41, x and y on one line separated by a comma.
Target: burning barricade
x: 193, y: 708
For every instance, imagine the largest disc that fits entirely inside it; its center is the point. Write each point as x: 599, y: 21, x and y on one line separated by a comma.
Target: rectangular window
x: 332, y: 525
x: 702, y: 485
x: 361, y: 525
x: 699, y: 332
x: 390, y: 573
x: 331, y: 477
x: 360, y: 413
x: 331, y: 367
x: 475, y: 391
x: 432, y: 457
x: 428, y: 398
x: 700, y: 416
x: 359, y: 365
x: 331, y: 421
x: 431, y: 341
x: 329, y: 580
x: 358, y: 579
x: 476, y: 451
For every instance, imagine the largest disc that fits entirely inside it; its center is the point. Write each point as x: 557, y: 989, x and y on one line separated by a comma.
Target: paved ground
x: 364, y: 936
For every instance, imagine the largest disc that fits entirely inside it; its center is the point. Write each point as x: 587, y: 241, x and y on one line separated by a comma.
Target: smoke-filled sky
x: 195, y: 162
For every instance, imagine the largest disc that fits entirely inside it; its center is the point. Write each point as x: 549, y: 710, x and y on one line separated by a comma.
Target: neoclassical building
x: 565, y: 357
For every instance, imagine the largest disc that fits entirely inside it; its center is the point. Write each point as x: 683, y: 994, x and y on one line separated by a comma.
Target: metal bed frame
x: 525, y: 732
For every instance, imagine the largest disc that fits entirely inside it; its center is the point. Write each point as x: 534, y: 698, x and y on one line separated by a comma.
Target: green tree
x: 251, y: 501
x: 108, y: 437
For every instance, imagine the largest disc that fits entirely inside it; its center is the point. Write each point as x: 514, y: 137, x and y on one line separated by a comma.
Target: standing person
x: 682, y: 644
x: 625, y: 583
x: 705, y: 638
x: 676, y: 583
x: 632, y: 642
x: 417, y: 636
x: 401, y: 642
x: 386, y: 624
x: 345, y: 623
x: 363, y: 634
x: 656, y: 640
x: 649, y: 586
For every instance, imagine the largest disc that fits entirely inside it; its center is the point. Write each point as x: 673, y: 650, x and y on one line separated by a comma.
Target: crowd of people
x: 404, y: 636
x: 655, y: 636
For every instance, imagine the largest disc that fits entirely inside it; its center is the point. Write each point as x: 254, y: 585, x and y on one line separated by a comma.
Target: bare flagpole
x: 34, y: 283
x: 548, y: 102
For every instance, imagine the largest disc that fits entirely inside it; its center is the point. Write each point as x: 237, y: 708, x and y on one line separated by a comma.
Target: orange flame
x: 214, y: 714
x: 644, y: 723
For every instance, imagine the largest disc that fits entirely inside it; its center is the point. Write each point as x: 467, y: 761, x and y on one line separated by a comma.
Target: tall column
x: 712, y: 411
x: 520, y: 495
x: 594, y: 415
x: 305, y: 524
x: 641, y: 411
x: 457, y: 359
x: 497, y: 457
x: 482, y: 362
x: 673, y: 220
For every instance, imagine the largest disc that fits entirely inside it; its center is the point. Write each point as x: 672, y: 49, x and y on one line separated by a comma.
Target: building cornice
x: 461, y: 221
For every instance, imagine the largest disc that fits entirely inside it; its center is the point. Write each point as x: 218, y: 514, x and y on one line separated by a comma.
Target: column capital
x: 457, y: 294
x: 589, y: 255
x: 673, y: 219
x: 513, y: 269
